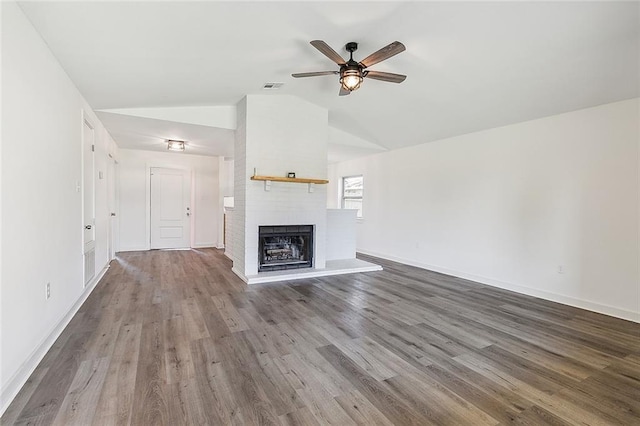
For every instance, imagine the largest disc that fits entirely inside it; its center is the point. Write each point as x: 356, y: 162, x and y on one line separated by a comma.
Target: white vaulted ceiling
x: 470, y: 65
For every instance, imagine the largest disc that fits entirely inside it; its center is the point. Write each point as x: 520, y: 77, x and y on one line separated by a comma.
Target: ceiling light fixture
x: 350, y: 78
x: 173, y: 145
x: 351, y: 72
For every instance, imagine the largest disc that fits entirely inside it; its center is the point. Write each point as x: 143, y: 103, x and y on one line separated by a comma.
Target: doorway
x: 170, y: 208
x: 88, y: 201
x: 112, y: 193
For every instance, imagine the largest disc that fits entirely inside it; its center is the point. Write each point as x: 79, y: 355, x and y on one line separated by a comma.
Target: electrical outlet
x: 48, y: 288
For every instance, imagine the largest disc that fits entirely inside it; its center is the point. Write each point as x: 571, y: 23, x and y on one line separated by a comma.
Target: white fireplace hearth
x: 332, y: 267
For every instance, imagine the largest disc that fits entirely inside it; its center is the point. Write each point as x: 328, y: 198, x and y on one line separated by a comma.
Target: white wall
x: 334, y: 187
x: 509, y: 206
x: 135, y: 202
x: 226, y: 190
x: 341, y: 234
x: 41, y: 217
x: 226, y: 177
x: 276, y: 135
x: 240, y: 173
x: 223, y: 116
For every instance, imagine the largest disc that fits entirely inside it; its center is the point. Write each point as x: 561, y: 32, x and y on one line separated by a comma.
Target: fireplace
x: 285, y: 247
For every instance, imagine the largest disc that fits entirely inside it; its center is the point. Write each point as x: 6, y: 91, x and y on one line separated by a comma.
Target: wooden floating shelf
x: 288, y: 179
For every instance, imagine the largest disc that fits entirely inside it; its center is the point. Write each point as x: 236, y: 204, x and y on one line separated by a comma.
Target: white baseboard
x: 145, y: 248
x: 204, y: 245
x: 542, y: 294
x: 240, y: 274
x: 17, y: 381
x: 134, y: 248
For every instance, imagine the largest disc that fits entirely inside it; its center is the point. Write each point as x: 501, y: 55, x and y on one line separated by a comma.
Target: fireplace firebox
x: 285, y: 247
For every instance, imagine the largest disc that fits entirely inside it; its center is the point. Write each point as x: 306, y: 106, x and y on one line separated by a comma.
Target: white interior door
x: 88, y: 196
x: 113, y: 220
x: 170, y: 208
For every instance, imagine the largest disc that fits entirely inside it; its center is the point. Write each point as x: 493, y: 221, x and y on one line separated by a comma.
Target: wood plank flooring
x: 174, y: 338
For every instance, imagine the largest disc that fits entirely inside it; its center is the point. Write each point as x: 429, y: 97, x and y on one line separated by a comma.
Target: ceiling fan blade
x: 328, y: 51
x: 386, y: 76
x: 382, y: 54
x: 314, y: 74
x: 344, y: 92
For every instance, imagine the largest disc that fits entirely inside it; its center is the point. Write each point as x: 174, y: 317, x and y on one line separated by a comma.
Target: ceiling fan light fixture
x: 352, y: 72
x: 173, y: 145
x: 351, y: 79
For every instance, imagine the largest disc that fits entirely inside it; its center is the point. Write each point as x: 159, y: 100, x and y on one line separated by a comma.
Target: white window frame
x: 343, y: 198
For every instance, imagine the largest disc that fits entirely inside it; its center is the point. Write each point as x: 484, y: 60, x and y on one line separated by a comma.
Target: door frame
x: 113, y: 206
x: 85, y: 119
x: 166, y: 165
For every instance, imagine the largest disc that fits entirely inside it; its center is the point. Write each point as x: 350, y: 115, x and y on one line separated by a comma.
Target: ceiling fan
x: 351, y: 72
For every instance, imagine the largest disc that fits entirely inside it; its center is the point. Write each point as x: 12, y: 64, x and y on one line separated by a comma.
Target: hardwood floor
x: 174, y: 338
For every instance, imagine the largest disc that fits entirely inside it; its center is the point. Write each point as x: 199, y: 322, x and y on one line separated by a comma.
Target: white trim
x: 343, y: 198
x: 553, y: 297
x: 334, y: 267
x: 221, y: 190
x: 205, y: 245
x: 133, y: 248
x: 145, y: 248
x: 113, y: 221
x: 27, y: 368
x: 240, y: 274
x: 88, y: 121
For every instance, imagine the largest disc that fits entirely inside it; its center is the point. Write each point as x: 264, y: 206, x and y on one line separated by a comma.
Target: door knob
x: 87, y: 227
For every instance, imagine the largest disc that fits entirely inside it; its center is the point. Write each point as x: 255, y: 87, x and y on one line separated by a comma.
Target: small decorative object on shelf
x: 291, y: 175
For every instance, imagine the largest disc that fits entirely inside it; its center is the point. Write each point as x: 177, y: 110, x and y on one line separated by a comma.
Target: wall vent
x: 272, y: 86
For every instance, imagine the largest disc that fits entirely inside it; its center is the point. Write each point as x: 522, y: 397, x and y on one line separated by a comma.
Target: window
x: 352, y: 188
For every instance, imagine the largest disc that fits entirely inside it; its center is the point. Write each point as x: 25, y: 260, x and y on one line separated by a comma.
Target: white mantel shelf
x: 288, y: 179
